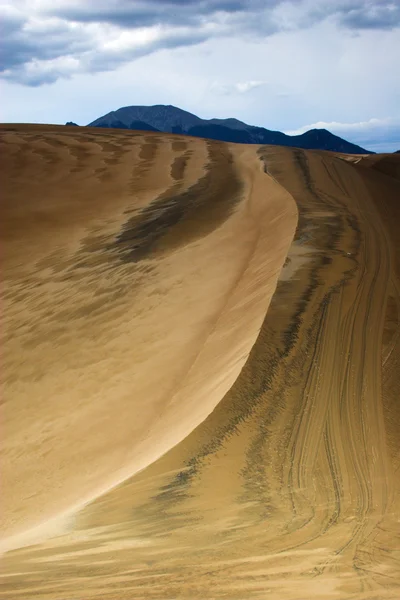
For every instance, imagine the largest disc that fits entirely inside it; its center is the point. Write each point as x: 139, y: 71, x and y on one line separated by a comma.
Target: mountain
x: 72, y: 123
x: 160, y: 117
x: 170, y: 119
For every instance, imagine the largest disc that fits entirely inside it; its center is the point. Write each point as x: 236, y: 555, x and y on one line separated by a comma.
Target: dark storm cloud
x: 371, y: 15
x: 355, y: 14
x: 22, y: 43
x: 48, y: 40
x: 145, y: 13
x: 63, y: 38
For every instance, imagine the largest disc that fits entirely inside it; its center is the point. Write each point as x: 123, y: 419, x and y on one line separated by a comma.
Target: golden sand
x: 199, y: 402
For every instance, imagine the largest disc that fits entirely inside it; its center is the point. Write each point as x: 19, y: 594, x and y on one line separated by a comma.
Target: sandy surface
x: 169, y: 430
x: 130, y: 310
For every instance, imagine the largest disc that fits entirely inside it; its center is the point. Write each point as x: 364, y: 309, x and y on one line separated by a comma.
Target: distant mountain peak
x: 172, y: 119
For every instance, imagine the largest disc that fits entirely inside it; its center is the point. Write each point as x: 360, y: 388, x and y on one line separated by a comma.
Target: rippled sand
x: 201, y: 369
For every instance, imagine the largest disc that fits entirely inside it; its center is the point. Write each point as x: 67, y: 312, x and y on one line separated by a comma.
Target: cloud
x: 241, y: 87
x: 246, y: 86
x: 147, y: 13
x: 46, y: 40
x: 73, y: 50
x: 43, y: 44
x: 371, y: 15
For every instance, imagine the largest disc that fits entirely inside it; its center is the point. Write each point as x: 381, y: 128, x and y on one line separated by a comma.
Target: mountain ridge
x: 171, y: 119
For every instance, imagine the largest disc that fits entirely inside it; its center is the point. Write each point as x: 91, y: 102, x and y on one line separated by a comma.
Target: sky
x: 284, y: 65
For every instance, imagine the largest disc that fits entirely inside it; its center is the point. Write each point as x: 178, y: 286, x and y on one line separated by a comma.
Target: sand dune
x: 129, y: 310
x: 199, y: 401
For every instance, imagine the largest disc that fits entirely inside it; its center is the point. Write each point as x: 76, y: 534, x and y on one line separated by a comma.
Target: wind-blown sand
x: 172, y: 428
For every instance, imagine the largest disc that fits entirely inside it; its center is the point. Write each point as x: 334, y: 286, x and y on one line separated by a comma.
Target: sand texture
x: 201, y: 369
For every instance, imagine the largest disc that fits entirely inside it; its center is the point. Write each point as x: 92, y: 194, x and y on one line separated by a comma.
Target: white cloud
x: 246, y: 86
x: 240, y: 87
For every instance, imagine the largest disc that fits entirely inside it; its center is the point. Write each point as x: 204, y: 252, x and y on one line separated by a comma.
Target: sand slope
x: 138, y: 270
x: 289, y: 488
